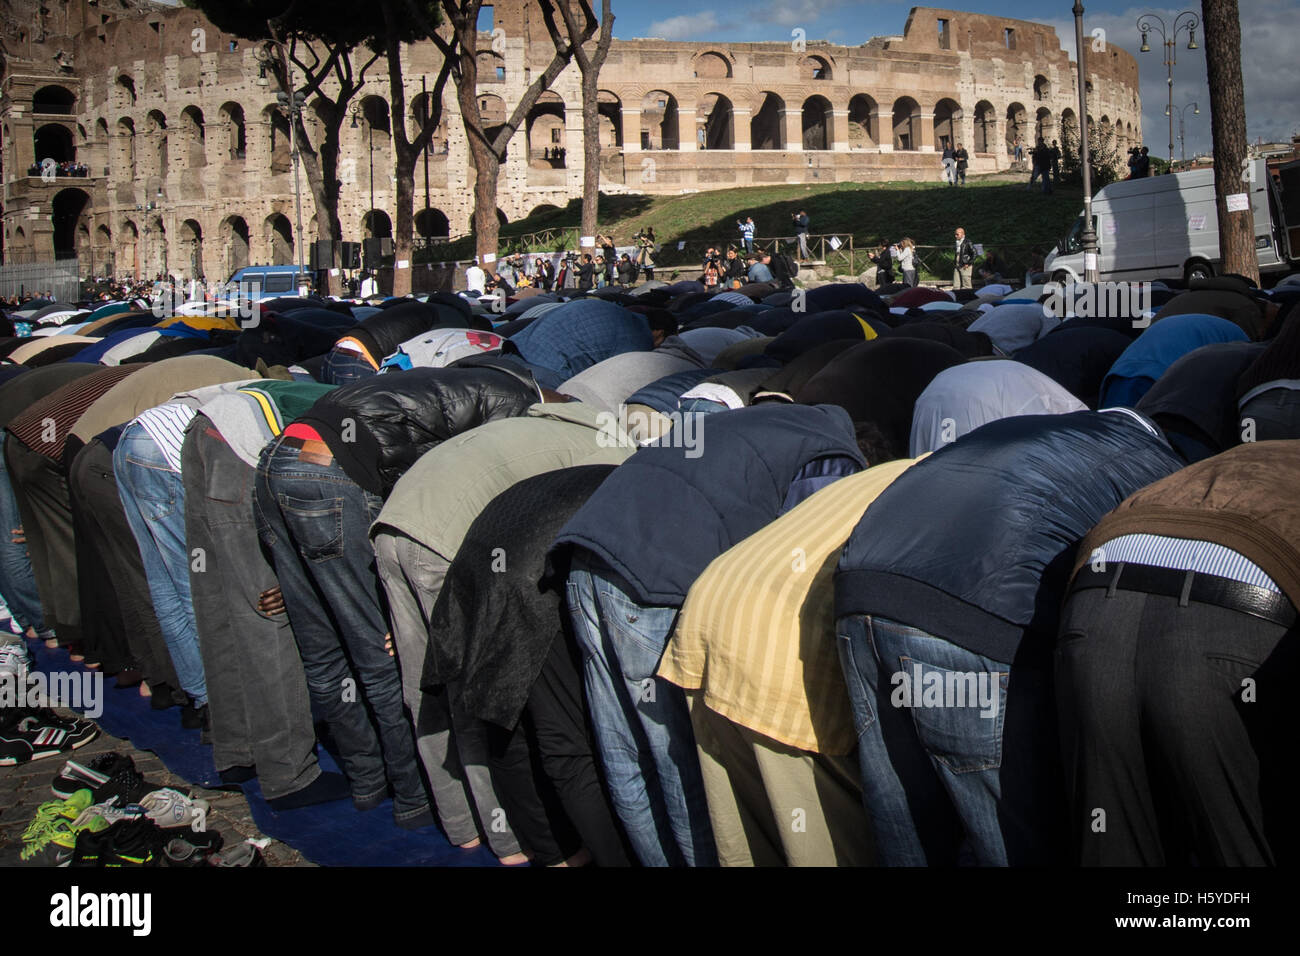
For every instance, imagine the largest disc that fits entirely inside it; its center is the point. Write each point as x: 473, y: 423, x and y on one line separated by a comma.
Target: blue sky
x: 1271, y: 68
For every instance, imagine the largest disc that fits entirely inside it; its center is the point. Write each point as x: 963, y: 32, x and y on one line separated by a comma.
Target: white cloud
x: 690, y: 27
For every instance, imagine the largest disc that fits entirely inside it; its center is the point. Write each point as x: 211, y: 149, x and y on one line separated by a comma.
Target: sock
x: 324, y: 789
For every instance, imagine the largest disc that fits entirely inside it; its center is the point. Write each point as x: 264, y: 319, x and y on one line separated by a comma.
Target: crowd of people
x: 60, y: 169
x: 641, y: 575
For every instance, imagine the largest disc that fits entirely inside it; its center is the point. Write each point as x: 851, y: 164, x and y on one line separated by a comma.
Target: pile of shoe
x: 108, y: 814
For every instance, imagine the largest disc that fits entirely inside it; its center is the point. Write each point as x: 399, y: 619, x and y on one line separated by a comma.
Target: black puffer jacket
x: 381, y: 426
x: 388, y: 328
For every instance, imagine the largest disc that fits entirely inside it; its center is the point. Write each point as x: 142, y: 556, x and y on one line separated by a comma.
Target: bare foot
x: 472, y: 844
x: 581, y: 858
x: 515, y: 859
x: 76, y: 658
x: 52, y: 643
x: 144, y: 690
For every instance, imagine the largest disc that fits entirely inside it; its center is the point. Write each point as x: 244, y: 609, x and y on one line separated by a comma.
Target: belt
x: 1192, y: 586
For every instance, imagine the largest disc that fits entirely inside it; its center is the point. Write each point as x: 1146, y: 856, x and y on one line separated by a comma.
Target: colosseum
x: 173, y: 157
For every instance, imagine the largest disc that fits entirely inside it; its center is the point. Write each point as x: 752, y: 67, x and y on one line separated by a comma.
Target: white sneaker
x: 110, y: 812
x: 13, y: 660
x: 171, y: 808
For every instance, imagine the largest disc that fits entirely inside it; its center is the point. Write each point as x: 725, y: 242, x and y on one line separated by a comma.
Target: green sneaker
x: 51, y: 837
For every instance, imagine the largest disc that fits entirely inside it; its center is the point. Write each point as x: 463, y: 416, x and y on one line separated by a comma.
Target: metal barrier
x: 60, y: 278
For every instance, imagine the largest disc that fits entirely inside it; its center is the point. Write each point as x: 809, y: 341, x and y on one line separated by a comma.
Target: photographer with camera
x: 801, y: 233
x: 646, y: 248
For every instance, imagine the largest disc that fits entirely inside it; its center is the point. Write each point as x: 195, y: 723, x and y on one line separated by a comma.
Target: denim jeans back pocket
x: 857, y: 661
x: 316, y: 526
x: 958, y: 714
x: 154, y: 491
x: 638, y: 633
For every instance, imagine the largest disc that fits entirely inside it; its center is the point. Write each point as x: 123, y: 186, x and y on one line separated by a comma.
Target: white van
x: 1167, y: 227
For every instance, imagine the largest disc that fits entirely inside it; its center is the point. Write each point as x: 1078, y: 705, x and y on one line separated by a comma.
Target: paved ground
x: 25, y: 787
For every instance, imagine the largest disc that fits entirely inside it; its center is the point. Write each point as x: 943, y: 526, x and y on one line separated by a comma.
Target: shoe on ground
x: 92, y: 776
x: 14, y: 660
x: 27, y: 734
x: 241, y: 854
x: 170, y: 808
x: 51, y: 837
x: 135, y: 842
x: 195, y: 718
x: 192, y: 849
x: 80, y: 730
x: 126, y: 784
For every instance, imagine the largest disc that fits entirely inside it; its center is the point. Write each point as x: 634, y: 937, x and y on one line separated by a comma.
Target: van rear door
x: 1125, y: 234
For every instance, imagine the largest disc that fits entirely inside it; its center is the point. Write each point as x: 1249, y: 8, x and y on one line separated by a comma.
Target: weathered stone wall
x: 157, y: 104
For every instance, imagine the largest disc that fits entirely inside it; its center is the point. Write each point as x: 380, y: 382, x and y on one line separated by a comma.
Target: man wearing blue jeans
x: 946, y: 598
x: 315, y: 521
x: 153, y: 497
x: 642, y: 723
x: 17, y: 583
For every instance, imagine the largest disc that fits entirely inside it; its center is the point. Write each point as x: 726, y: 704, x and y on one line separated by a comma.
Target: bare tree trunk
x: 1228, y: 125
x: 590, y: 153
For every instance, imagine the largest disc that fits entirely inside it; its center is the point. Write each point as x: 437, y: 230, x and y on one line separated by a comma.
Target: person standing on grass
x: 962, y: 158
x: 747, y: 232
x: 801, y: 233
x: 964, y: 261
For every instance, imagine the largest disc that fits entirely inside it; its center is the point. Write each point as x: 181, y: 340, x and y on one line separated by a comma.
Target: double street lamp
x: 1186, y: 20
x: 271, y: 55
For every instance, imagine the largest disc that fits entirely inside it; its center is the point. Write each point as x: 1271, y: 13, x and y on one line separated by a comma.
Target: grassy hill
x: 1000, y: 215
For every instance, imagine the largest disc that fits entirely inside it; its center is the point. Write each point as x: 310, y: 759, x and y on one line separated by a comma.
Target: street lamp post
x: 1150, y: 21
x: 1182, y: 132
x: 291, y: 102
x: 1089, y: 236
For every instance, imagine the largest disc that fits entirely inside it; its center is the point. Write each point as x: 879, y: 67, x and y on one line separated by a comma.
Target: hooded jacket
x: 1160, y: 346
x: 974, y: 543
x: 379, y: 427
x: 668, y: 511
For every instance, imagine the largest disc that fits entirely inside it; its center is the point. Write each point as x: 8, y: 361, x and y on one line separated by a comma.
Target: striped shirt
x: 166, y: 425
x: 757, y: 632
x: 46, y: 425
x: 1181, y: 554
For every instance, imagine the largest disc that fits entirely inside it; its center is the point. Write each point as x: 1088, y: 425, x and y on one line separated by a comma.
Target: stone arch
x: 660, y: 128
x: 907, y: 124
x: 1042, y: 88
x: 235, y: 237
x: 817, y: 119
x: 1017, y: 126
x: 609, y: 119
x: 54, y: 100
x: 947, y: 123
x: 421, y: 111
x: 67, y: 207
x: 277, y: 232
x: 377, y: 139
x: 864, y: 121
x: 156, y: 128
x: 124, y: 89
x: 545, y: 131
x: 711, y: 65
x: 716, y: 120
x: 986, y: 122
x: 432, y: 223
x: 376, y: 224
x: 279, y: 139
x: 767, y: 123
x: 129, y: 246
x: 814, y: 68
x: 53, y: 141
x: 1044, y: 125
x: 232, y: 116
x: 191, y: 237
x: 124, y: 158
x: 491, y: 67
x: 195, y: 136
